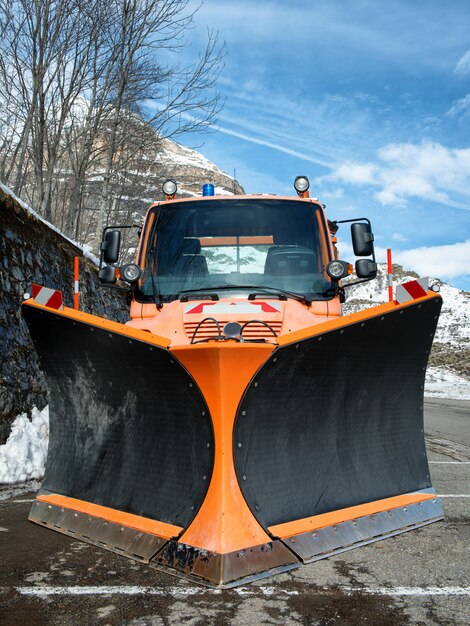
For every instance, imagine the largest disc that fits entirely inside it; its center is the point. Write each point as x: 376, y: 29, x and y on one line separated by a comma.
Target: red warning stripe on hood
x: 233, y: 307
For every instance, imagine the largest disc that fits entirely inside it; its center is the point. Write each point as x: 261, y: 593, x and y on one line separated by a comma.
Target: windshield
x: 241, y: 243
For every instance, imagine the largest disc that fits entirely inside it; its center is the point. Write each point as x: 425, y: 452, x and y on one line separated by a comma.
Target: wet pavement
x: 420, y: 577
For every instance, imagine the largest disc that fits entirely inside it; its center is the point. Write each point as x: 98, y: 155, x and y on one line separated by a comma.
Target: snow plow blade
x: 131, y: 443
x: 330, y: 450
x: 226, y: 461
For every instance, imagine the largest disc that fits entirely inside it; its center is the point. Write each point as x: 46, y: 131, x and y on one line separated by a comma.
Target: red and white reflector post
x: 76, y: 291
x: 389, y: 275
x: 48, y: 297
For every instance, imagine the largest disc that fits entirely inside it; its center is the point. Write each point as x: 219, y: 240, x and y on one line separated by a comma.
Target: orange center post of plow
x: 297, y: 527
x: 144, y: 524
x: 224, y: 522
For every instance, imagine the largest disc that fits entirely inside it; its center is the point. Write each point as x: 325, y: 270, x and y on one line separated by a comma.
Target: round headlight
x: 301, y: 184
x: 337, y: 269
x: 131, y: 272
x: 169, y: 187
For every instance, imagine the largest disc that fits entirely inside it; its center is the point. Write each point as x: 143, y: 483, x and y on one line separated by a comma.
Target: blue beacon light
x: 208, y: 190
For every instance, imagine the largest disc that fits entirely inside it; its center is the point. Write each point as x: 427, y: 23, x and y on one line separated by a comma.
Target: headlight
x: 169, y: 187
x: 337, y: 269
x: 301, y: 184
x: 131, y: 272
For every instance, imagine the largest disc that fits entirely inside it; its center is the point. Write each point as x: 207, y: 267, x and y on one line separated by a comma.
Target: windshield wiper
x: 252, y: 296
x: 300, y: 297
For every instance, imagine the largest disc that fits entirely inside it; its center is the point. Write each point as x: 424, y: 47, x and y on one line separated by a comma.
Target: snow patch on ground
x: 442, y: 383
x: 23, y: 456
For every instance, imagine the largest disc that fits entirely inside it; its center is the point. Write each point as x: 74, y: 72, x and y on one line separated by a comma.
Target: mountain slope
x: 452, y: 340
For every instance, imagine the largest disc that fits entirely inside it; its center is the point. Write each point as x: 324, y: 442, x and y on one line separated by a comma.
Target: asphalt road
x: 420, y: 577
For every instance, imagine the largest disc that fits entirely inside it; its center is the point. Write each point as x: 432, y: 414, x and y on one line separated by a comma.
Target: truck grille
x: 255, y: 330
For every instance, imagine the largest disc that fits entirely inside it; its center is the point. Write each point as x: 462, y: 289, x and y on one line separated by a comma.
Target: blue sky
x: 371, y: 100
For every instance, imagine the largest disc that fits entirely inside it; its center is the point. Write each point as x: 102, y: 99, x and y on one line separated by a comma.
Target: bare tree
x: 76, y: 80
x: 142, y: 29
x: 43, y: 48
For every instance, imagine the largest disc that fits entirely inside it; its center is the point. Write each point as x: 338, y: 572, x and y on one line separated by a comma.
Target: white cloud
x: 389, y: 197
x: 427, y: 170
x: 463, y: 65
x: 273, y: 146
x: 333, y: 195
x: 460, y: 107
x: 448, y: 261
x: 399, y: 237
x: 445, y: 262
x: 356, y: 173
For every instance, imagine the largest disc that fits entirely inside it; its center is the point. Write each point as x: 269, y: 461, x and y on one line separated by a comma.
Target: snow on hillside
x: 172, y: 153
x: 454, y: 323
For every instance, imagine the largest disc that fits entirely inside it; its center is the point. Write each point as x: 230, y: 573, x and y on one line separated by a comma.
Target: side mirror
x: 110, y: 245
x: 362, y: 239
x: 365, y: 268
x: 107, y: 275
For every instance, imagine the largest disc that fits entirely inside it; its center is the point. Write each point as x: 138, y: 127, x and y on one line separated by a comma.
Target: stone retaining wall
x: 30, y: 251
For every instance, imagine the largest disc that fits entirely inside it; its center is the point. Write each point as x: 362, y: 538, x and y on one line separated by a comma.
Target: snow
x: 23, y: 456
x: 177, y: 154
x: 83, y: 247
x: 454, y: 322
x: 442, y: 383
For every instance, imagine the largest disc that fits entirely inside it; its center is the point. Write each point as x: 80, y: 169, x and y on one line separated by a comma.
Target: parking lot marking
x: 453, y: 495
x: 450, y: 462
x: 135, y: 590
x: 413, y: 591
x: 41, y: 592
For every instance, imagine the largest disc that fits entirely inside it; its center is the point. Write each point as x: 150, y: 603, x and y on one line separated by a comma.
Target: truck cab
x: 260, y: 263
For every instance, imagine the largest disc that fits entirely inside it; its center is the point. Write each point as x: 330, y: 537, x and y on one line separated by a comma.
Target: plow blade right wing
x: 330, y: 432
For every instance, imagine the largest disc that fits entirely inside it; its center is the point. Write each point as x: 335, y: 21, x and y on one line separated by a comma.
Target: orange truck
x: 238, y: 424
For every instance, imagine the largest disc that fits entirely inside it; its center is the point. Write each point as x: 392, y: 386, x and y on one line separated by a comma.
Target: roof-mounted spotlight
x: 301, y: 185
x: 169, y: 188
